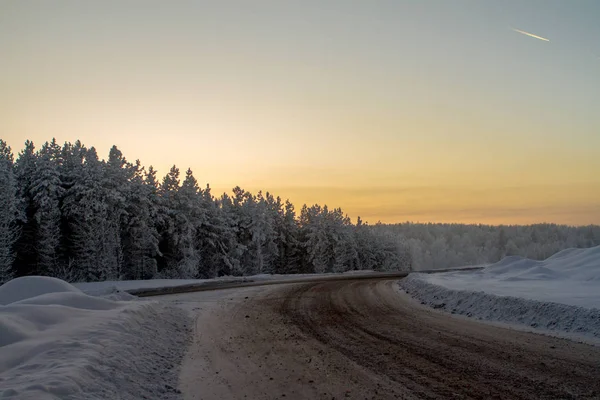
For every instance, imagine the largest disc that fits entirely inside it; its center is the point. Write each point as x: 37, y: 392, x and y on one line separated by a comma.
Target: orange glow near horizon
x: 330, y: 103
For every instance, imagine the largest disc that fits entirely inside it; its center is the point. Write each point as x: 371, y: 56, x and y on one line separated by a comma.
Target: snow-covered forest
x: 434, y: 246
x: 65, y: 212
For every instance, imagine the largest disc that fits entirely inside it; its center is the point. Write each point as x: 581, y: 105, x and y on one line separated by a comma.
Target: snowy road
x: 364, y: 339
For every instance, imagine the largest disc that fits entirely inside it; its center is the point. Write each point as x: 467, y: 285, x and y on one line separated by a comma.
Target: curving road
x: 363, y: 339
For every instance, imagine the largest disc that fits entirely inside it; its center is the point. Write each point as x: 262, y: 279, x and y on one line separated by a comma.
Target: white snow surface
x: 561, y: 293
x: 63, y: 344
x: 31, y: 286
x: 570, y: 277
x: 109, y: 287
x: 91, y: 341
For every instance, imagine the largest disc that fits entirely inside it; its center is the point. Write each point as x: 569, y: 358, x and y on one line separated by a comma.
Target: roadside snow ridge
x: 31, y: 286
x: 569, y: 264
x: 60, y: 343
x: 561, y: 293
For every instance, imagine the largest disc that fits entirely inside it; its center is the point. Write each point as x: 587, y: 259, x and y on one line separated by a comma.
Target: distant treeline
x: 451, y: 245
x: 64, y: 212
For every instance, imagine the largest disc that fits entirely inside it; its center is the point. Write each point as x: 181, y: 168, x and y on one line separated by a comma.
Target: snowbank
x: 570, y: 277
x: 62, y: 343
x: 111, y: 287
x: 561, y: 293
x: 514, y: 310
x: 31, y: 286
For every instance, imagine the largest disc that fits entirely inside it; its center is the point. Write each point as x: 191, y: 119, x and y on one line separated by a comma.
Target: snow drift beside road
x: 31, y: 286
x: 561, y: 293
x: 62, y: 343
x: 569, y: 264
x: 111, y: 287
x: 570, y: 277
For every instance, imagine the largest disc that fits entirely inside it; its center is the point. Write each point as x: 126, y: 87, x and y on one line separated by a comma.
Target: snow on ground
x: 571, y: 277
x: 111, y: 287
x: 90, y: 341
x: 31, y: 286
x: 59, y: 343
x: 561, y: 293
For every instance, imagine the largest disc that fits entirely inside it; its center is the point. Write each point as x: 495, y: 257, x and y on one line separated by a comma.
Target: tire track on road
x: 435, y: 355
x: 364, y: 339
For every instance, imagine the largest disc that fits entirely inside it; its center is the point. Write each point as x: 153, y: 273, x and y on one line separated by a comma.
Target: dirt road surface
x: 365, y: 340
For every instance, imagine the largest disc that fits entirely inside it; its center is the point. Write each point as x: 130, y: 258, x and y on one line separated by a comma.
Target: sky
x: 432, y: 111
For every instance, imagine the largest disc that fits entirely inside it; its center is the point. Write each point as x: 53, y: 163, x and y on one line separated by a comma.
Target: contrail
x: 530, y: 34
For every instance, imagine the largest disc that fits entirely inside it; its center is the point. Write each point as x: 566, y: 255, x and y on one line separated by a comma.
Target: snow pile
x: 120, y: 288
x: 561, y: 293
x: 31, y: 286
x: 63, y: 343
x: 570, y: 277
x: 113, y: 287
x: 569, y: 264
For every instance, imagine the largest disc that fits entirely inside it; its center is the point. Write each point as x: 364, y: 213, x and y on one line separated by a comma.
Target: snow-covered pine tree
x: 140, y: 237
x: 281, y: 236
x: 170, y: 257
x: 263, y: 233
x: 26, y: 254
x: 243, y: 214
x: 232, y: 248
x: 8, y: 212
x: 345, y: 248
x: 47, y: 191
x: 275, y: 218
x: 315, y: 238
x: 188, y: 217
x: 71, y: 172
x: 363, y: 237
x: 290, y: 253
x: 87, y: 212
x: 214, y: 236
x: 116, y: 187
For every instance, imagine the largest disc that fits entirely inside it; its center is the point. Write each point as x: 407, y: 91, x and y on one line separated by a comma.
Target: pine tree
x: 167, y: 225
x: 264, y: 215
x: 242, y: 213
x: 116, y: 187
x: 287, y: 257
x: 364, y: 246
x: 140, y: 236
x: 71, y: 170
x: 291, y: 252
x: 315, y: 239
x: 232, y: 249
x: 214, y: 236
x: 8, y: 212
x: 26, y: 254
x: 345, y: 247
x: 189, y: 216
x: 86, y: 208
x: 46, y: 191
